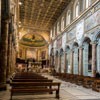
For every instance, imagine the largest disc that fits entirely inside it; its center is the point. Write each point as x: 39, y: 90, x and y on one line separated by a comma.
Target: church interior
x: 50, y: 50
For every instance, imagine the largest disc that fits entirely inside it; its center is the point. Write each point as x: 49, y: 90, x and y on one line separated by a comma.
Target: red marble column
x: 80, y: 61
x: 93, y: 59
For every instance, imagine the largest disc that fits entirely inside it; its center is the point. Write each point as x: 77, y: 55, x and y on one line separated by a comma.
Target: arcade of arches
x: 60, y: 37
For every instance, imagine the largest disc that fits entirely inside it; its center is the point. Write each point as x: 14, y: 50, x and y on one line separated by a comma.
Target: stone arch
x: 61, y: 67
x: 75, y: 44
x: 87, y: 56
x: 61, y: 51
x: 75, y: 58
x: 67, y: 48
x: 98, y: 52
x: 86, y: 39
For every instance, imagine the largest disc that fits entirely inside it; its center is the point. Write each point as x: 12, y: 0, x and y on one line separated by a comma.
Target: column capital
x: 80, y: 47
x: 93, y: 43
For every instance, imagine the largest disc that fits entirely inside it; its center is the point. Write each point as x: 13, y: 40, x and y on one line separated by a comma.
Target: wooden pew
x: 79, y: 80
x: 96, y: 85
x: 32, y: 80
x: 88, y: 81
x: 34, y: 87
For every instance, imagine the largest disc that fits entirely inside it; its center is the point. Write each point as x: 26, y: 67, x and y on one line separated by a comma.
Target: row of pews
x: 32, y: 83
x: 85, y: 81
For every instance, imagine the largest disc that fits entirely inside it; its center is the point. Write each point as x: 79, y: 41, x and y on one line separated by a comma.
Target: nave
x: 68, y: 91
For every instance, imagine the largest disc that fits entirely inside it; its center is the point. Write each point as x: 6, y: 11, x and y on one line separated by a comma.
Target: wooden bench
x: 96, y: 85
x: 34, y: 87
x: 32, y: 80
x: 88, y: 81
x: 79, y: 80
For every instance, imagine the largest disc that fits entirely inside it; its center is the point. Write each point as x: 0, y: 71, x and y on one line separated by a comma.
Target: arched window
x: 77, y: 10
x: 68, y: 18
x: 62, y: 23
x: 87, y: 3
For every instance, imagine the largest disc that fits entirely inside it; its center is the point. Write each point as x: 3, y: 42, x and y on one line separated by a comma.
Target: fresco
x: 43, y: 55
x: 31, y: 53
x: 92, y: 21
x: 33, y: 40
x: 71, y: 34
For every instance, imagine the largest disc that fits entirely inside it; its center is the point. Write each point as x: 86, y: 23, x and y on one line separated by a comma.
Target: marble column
x: 3, y: 53
x: 93, y: 59
x: 80, y: 61
x: 71, y: 61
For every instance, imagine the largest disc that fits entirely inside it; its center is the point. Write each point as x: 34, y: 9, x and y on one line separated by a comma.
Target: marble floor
x: 68, y: 91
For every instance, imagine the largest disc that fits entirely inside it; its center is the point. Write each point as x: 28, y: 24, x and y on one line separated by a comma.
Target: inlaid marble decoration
x: 80, y: 30
x: 92, y: 21
x: 64, y: 41
x: 98, y: 56
x: 72, y: 34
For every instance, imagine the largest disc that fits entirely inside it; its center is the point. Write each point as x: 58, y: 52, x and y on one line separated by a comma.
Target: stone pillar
x: 80, y: 61
x: 93, y: 59
x: 3, y: 53
x: 71, y: 61
x: 9, y: 55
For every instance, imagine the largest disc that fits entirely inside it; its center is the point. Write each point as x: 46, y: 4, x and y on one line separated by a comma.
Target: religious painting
x: 43, y: 55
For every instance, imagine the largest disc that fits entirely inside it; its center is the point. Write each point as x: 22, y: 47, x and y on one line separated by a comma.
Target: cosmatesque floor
x: 68, y: 91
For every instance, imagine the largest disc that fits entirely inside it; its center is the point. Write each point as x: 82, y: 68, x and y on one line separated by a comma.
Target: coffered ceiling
x: 40, y: 15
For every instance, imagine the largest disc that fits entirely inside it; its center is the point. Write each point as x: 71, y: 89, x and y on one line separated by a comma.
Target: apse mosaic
x: 33, y: 40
